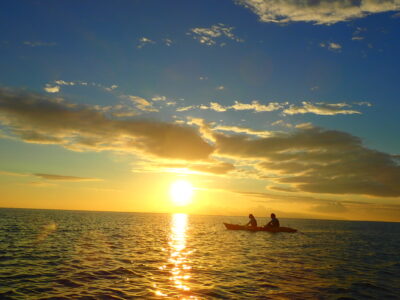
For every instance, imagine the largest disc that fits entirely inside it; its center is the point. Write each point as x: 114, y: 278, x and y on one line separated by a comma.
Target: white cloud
x: 144, y: 41
x: 282, y: 123
x: 237, y: 129
x: 167, y: 42
x: 256, y: 106
x: 319, y: 109
x: 51, y: 88
x: 141, y: 103
x: 317, y: 11
x: 159, y: 98
x: 62, y: 82
x: 209, y: 35
x: 331, y: 46
x: 111, y: 88
x: 220, y: 88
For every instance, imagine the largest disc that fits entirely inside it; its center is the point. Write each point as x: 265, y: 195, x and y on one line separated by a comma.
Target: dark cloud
x: 64, y: 177
x: 318, y: 161
x: 40, y: 118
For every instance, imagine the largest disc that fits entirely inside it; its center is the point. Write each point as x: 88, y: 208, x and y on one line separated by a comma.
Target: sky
x: 259, y: 106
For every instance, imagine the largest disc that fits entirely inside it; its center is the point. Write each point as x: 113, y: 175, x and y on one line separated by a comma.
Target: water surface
x: 48, y: 254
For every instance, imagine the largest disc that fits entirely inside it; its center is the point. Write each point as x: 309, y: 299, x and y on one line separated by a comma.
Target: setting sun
x: 181, y: 192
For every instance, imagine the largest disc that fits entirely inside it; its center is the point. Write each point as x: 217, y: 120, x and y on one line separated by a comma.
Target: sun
x: 181, y: 192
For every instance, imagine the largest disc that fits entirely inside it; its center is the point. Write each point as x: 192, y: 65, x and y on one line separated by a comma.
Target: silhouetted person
x: 274, y: 223
x: 252, y: 222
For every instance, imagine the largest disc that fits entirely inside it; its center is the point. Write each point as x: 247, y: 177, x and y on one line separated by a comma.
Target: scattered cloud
x: 357, y: 38
x: 320, y: 109
x: 220, y: 88
x: 159, y: 98
x: 209, y: 35
x: 203, y: 78
x: 318, y: 11
x: 55, y: 87
x: 64, y: 177
x: 144, y: 41
x: 331, y: 46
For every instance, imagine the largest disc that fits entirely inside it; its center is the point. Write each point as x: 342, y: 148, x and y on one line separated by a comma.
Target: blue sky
x: 219, y: 69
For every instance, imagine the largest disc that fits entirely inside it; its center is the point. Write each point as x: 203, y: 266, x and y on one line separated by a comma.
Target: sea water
x: 50, y: 254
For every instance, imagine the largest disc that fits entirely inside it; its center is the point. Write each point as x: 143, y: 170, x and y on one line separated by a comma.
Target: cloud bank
x: 37, y: 118
x: 307, y: 159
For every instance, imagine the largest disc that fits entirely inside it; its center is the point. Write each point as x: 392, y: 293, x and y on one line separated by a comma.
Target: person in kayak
x: 252, y: 222
x: 274, y: 223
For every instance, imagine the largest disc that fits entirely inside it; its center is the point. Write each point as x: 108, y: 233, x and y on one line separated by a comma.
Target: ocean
x: 54, y: 254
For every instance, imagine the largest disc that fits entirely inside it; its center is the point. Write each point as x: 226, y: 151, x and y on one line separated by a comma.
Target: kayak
x: 251, y: 228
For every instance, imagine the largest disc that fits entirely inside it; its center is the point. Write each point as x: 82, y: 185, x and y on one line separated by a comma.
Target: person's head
x: 273, y: 216
x: 251, y: 216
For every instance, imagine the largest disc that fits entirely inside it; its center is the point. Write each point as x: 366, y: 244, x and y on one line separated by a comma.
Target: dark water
x: 48, y: 254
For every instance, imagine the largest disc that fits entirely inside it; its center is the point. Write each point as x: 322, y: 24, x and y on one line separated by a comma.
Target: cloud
x: 317, y: 11
x: 256, y: 106
x: 143, y: 41
x: 209, y: 35
x: 220, y: 88
x: 55, y: 87
x: 167, y: 42
x: 331, y: 46
x: 38, y: 44
x: 317, y: 161
x: 329, y: 207
x: 327, y: 109
x: 37, y: 118
x: 6, y: 173
x: 141, y: 103
x: 51, y: 88
x: 64, y: 177
x: 205, y: 168
x: 244, y: 130
x: 159, y: 98
x: 282, y: 123
x: 319, y: 108
x: 111, y: 88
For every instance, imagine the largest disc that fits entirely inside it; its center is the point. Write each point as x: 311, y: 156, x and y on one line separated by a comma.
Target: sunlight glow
x: 181, y: 192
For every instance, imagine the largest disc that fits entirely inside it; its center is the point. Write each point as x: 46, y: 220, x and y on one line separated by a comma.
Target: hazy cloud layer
x: 39, y: 118
x: 317, y: 11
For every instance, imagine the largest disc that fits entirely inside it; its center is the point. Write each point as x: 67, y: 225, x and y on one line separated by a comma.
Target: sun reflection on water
x: 178, y: 262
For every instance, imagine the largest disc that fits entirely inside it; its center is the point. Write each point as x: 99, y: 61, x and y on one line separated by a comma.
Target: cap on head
x: 273, y: 215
